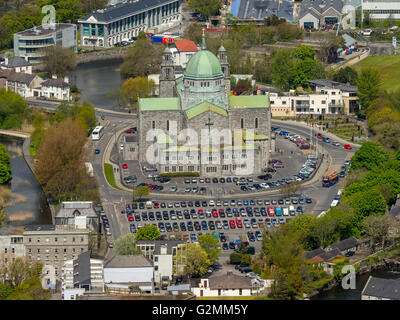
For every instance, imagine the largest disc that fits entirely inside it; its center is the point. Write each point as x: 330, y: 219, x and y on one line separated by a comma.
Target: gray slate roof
x: 71, y: 209
x: 383, y: 288
x: 229, y: 281
x: 17, y: 62
x: 330, y: 84
x: 344, y: 244
x: 115, y: 12
x: 59, y: 83
x: 319, y: 6
x: 158, y: 243
x: 82, y: 271
x: 261, y: 9
x: 128, y: 261
x: 21, y: 77
x: 328, y: 255
x: 395, y: 210
x: 313, y: 253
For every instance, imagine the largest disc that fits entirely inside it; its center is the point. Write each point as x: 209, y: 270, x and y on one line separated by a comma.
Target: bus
x: 330, y: 179
x: 97, y: 133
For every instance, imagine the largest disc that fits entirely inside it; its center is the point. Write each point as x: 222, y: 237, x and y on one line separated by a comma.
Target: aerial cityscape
x: 199, y: 150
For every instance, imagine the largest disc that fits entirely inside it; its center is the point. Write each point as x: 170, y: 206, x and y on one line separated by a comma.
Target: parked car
x: 347, y: 146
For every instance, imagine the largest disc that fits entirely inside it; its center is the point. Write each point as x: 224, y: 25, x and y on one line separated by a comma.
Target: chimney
x: 26, y: 58
x: 66, y: 79
x: 6, y: 61
x: 53, y: 76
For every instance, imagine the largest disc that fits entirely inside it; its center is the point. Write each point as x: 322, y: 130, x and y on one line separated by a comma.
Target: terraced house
x: 199, y: 103
x: 105, y: 27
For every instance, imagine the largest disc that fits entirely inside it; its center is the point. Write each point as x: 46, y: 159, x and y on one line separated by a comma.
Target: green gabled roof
x: 163, y: 138
x: 159, y: 104
x: 260, y: 101
x: 254, y: 137
x: 181, y: 149
x: 204, y: 107
x: 244, y: 146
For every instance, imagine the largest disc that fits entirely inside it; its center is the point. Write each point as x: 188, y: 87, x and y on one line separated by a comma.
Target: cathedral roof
x: 205, y: 107
x: 260, y: 101
x: 159, y: 104
x: 203, y: 64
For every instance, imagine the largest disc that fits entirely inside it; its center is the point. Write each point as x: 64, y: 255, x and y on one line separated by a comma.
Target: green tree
x: 206, y: 8
x: 137, y: 64
x: 377, y: 227
x: 140, y: 192
x: 148, y: 233
x: 135, y: 88
x: 303, y: 52
x: 370, y: 156
x: 126, y: 245
x: 12, y: 108
x: 58, y: 60
x: 369, y: 84
x: 211, y: 245
x: 283, y: 69
x: 346, y: 75
x: 195, y: 259
x: 5, y: 166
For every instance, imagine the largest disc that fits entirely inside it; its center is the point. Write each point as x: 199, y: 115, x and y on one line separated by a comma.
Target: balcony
x: 335, y: 105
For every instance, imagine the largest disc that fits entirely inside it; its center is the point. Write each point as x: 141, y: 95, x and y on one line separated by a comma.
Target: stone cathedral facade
x: 174, y: 127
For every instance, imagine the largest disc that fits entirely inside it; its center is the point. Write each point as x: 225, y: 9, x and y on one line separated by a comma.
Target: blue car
x: 283, y: 133
x: 245, y: 202
x: 308, y: 200
x: 228, y: 179
x: 96, y: 151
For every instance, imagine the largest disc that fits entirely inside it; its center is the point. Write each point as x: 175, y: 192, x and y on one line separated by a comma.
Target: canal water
x: 95, y: 80
x: 338, y: 293
x: 27, y: 204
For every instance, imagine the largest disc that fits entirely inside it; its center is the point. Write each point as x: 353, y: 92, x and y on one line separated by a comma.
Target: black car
x: 197, y: 203
x: 349, y: 253
x: 190, y: 226
x: 225, y: 246
x: 144, y: 216
x: 158, y: 215
x: 280, y: 201
x: 137, y: 216
x: 197, y: 226
x: 190, y: 203
x: 204, y: 203
x: 141, y: 205
x: 222, y: 180
x: 134, y: 206
x: 215, y: 180
x: 208, y: 180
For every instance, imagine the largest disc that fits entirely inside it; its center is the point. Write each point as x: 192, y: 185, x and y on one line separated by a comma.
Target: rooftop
x: 59, y: 83
x: 333, y: 85
x: 41, y: 31
x: 159, y: 243
x: 320, y: 6
x: 74, y: 208
x: 205, y: 107
x: 118, y: 11
x: 16, y: 62
x: 395, y: 210
x: 185, y: 45
x: 159, y: 104
x: 382, y: 288
x: 260, y: 101
x: 229, y: 281
x: 128, y: 261
x: 344, y: 244
x: 21, y: 77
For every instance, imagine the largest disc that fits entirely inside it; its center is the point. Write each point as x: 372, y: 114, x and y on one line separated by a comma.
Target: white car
x: 174, y: 188
x: 285, y: 211
x: 211, y: 203
x: 367, y: 32
x: 264, y: 185
x: 121, y: 146
x: 334, y: 203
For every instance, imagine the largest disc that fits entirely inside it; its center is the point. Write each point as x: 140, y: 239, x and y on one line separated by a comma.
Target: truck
x: 330, y: 179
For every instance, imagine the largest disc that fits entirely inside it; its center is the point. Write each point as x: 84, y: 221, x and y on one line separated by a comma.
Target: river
x: 338, y: 293
x: 95, y: 80
x: 28, y: 204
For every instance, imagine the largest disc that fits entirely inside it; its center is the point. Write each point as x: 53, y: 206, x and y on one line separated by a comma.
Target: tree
x: 126, y: 245
x: 148, y: 233
x: 290, y: 189
x: 194, y: 32
x: 138, y: 64
x: 58, y: 60
x: 206, y: 8
x: 211, y: 245
x: 5, y: 166
x: 377, y: 227
x: 369, y: 84
x: 140, y: 192
x: 304, y: 52
x: 283, y: 68
x: 346, y: 75
x: 135, y: 88
x: 329, y: 47
x: 242, y: 86
x: 195, y: 259
x: 371, y: 155
x: 12, y: 107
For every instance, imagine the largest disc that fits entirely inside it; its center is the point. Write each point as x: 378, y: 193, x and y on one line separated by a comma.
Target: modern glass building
x: 29, y: 43
x: 105, y: 27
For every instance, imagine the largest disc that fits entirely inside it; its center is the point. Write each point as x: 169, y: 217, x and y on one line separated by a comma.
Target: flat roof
x: 41, y: 31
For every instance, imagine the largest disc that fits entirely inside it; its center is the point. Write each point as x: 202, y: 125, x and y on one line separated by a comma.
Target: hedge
x: 180, y: 174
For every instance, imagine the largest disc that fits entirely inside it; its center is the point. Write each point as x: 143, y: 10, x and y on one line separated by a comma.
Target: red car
x: 348, y: 147
x: 271, y: 211
x: 130, y: 131
x: 232, y: 224
x: 319, y: 136
x: 131, y: 218
x: 239, y: 224
x: 156, y: 205
x: 221, y: 210
x: 124, y: 166
x: 200, y: 211
x: 215, y: 214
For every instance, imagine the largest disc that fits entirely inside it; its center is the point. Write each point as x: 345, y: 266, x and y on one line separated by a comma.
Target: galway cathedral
x: 196, y: 125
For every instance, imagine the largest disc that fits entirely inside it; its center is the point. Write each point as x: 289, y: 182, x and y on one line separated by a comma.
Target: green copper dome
x: 205, y: 65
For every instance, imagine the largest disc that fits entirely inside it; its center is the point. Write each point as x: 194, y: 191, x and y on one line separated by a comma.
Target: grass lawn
x: 108, y: 170
x: 389, y: 69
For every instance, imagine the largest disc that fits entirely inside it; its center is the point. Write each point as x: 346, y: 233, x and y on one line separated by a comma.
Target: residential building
x: 324, y: 258
x: 17, y: 64
x: 54, y: 245
x: 344, y: 246
x: 226, y: 285
x: 77, y: 213
x: 124, y: 274
x: 381, y: 9
x: 54, y: 89
x: 315, y: 14
x: 163, y: 254
x: 182, y: 51
x: 381, y: 289
x: 22, y: 83
x: 29, y: 43
x: 11, y: 244
x: 179, y: 289
x: 82, y: 275
x: 122, y: 21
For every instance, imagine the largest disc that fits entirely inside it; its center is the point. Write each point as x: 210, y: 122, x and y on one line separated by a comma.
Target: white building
x: 11, y: 245
x: 182, y: 52
x: 55, y: 89
x: 122, y: 274
x: 228, y: 285
x: 80, y: 214
x: 162, y: 253
x: 381, y: 9
x: 17, y: 64
x: 82, y: 275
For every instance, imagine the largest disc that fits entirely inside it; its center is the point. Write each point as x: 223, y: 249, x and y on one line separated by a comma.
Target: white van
x: 285, y: 211
x: 334, y: 203
x: 149, y: 205
x: 292, y: 211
